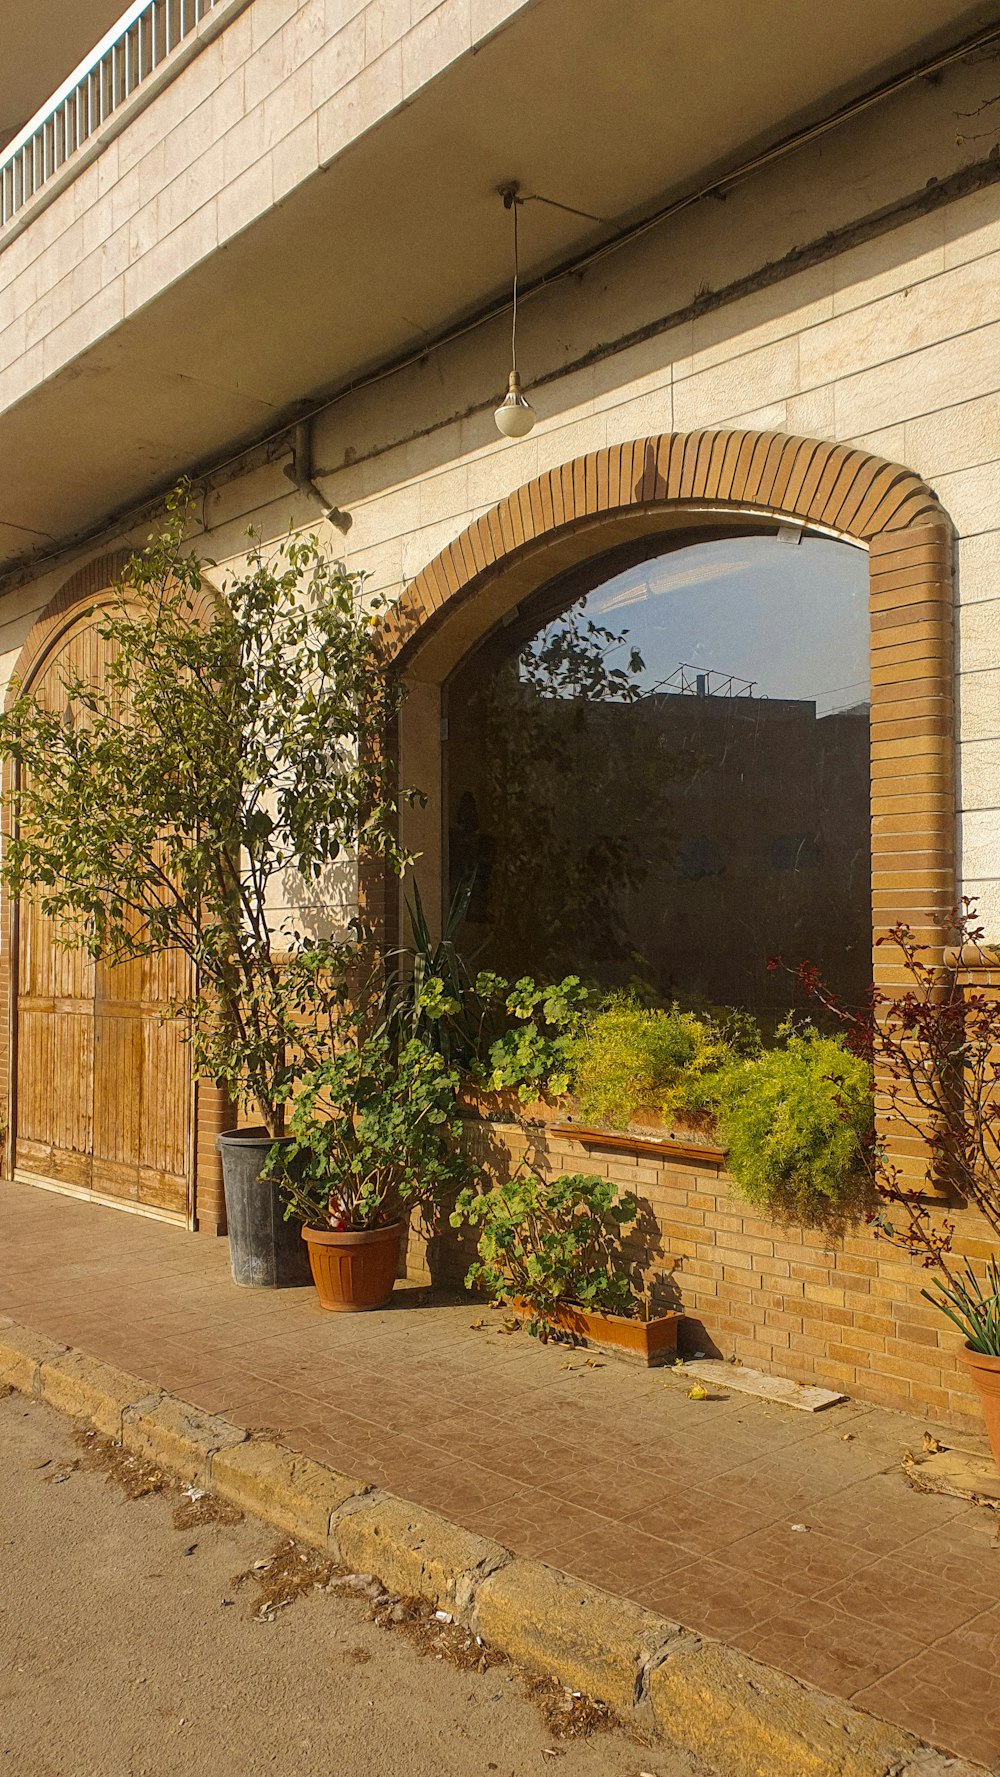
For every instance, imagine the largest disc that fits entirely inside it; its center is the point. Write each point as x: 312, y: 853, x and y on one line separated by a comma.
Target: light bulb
x: 515, y: 416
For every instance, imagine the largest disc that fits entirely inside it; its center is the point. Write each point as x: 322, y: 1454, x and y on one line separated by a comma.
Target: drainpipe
x: 299, y: 471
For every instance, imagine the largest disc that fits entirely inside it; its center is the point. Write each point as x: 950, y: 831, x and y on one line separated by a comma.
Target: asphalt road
x: 119, y: 1658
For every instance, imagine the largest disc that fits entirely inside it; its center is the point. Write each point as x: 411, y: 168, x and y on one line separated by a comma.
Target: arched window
x: 657, y: 772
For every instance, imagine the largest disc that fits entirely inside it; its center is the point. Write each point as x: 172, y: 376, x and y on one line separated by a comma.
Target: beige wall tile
x: 985, y: 892
x: 979, y: 636
x: 979, y: 774
x: 752, y: 380
x: 435, y: 41
x: 979, y: 706
x: 958, y: 437
x: 978, y: 560
x: 981, y: 845
x: 971, y: 497
x: 972, y: 226
x: 955, y: 370
x: 899, y: 258
x: 904, y: 322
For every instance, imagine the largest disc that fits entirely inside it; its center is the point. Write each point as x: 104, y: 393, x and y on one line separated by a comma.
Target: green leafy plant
x: 371, y: 1132
x: 934, y: 1043
x: 535, y: 1054
x: 545, y: 1243
x: 229, y: 759
x: 430, y: 993
x: 973, y: 1310
x: 797, y: 1122
x: 631, y: 1057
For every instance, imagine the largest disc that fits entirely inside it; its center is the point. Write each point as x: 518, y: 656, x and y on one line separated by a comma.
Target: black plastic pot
x: 265, y: 1251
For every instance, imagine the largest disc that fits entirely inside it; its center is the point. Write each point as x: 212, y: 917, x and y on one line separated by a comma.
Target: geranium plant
x: 543, y: 1243
x: 372, y: 1133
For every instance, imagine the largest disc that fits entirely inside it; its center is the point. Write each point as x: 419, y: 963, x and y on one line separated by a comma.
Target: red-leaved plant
x: 935, y: 1050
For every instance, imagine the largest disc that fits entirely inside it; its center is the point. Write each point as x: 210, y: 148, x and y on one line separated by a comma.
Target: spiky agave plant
x: 975, y: 1311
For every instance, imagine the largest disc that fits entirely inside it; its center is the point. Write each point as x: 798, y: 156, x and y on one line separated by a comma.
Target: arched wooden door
x: 102, y: 1099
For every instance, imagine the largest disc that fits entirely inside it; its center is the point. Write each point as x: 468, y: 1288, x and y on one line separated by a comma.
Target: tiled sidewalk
x: 888, y: 1597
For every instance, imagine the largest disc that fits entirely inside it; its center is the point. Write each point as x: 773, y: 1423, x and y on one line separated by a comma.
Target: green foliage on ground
x: 548, y: 1242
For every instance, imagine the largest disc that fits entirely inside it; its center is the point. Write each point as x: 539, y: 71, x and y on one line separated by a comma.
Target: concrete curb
x: 749, y: 1719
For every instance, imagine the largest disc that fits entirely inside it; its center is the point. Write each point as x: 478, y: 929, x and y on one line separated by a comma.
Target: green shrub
x: 631, y: 1057
x: 373, y: 1131
x: 535, y: 1054
x: 544, y: 1242
x: 798, y: 1125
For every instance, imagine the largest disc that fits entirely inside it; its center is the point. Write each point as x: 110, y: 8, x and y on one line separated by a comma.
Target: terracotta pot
x: 354, y: 1271
x: 985, y: 1373
x: 649, y: 1342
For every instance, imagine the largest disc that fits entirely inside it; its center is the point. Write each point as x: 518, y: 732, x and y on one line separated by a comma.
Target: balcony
x: 282, y: 195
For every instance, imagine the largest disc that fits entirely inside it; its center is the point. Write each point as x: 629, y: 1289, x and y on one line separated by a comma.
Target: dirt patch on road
x: 292, y: 1572
x: 138, y: 1479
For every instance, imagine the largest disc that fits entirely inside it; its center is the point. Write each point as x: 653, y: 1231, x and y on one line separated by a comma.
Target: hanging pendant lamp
x: 515, y: 416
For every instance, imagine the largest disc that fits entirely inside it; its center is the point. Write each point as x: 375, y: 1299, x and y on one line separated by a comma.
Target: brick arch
x: 211, y: 1107
x: 64, y: 607
x: 878, y: 503
x: 703, y: 479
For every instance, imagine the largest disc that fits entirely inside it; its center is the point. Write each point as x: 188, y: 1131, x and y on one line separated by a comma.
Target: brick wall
x: 846, y: 1312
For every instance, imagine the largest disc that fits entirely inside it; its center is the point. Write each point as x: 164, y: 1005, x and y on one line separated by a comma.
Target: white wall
x: 892, y: 344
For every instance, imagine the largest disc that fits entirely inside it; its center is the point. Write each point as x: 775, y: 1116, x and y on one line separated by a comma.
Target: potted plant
x: 976, y: 1314
x: 226, y: 766
x: 554, y: 1249
x: 372, y: 1134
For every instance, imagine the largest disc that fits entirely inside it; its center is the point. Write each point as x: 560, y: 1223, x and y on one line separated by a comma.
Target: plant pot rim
x: 978, y: 1360
x: 350, y: 1236
x: 257, y: 1136
x: 623, y: 1320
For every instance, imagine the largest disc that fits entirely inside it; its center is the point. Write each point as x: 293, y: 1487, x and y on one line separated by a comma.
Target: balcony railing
x: 126, y: 56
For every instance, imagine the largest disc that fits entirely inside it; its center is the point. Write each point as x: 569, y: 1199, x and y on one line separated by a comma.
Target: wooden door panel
x: 166, y: 1092
x: 117, y: 1103
x: 103, y: 1082
x: 54, y: 1075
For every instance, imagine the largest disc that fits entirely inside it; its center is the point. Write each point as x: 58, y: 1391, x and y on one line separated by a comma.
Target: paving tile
x: 945, y: 1700
x: 866, y: 1513
x: 622, y: 1559
x: 702, y: 1596
x: 890, y: 1592
x: 822, y: 1646
x: 607, y: 1471
x: 699, y: 1517
x: 800, y: 1561
x: 975, y: 1642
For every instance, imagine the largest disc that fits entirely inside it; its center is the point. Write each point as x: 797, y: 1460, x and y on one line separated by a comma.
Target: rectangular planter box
x: 647, y: 1342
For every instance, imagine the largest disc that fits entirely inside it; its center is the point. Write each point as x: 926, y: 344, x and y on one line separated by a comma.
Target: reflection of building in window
x: 795, y: 851
x: 470, y: 858
x: 638, y: 823
x: 699, y: 857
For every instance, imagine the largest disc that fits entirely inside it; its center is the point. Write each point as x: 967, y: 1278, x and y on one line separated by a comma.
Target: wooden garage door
x: 103, y: 1081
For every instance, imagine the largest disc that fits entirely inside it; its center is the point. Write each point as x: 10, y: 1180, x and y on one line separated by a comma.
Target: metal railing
x: 126, y: 55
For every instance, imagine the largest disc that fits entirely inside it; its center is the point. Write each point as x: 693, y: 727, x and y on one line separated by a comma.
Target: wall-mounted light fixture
x: 515, y: 416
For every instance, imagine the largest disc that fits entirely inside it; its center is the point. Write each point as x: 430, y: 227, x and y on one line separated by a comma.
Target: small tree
x: 222, y: 766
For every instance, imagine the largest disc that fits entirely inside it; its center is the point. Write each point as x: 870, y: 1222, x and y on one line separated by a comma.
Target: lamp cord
x: 513, y: 323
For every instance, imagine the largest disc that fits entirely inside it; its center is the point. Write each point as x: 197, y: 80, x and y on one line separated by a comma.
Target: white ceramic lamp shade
x: 515, y: 416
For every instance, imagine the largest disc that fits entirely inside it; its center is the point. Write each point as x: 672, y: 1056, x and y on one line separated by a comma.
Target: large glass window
x: 657, y: 775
